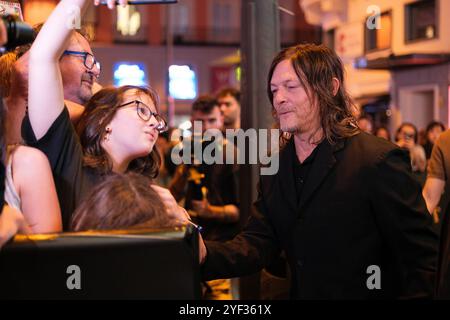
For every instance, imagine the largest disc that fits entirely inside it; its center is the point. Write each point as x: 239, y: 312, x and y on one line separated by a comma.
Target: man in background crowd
x: 230, y: 106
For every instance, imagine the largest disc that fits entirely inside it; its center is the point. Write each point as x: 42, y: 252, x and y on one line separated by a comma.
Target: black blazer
x: 443, y: 272
x: 360, y: 207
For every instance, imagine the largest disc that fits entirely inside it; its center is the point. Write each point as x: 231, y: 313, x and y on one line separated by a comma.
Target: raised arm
x: 46, y: 98
x: 45, y: 89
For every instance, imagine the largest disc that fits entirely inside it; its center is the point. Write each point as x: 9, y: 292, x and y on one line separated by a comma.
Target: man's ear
x: 336, y: 85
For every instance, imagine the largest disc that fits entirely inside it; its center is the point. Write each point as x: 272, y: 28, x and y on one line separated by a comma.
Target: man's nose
x: 95, y: 71
x: 279, y: 97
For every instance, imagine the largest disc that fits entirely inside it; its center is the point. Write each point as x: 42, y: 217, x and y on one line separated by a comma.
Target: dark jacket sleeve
x: 405, y: 224
x: 255, y: 247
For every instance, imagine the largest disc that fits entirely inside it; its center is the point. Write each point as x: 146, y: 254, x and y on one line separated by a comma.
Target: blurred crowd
x: 77, y: 156
x: 419, y: 142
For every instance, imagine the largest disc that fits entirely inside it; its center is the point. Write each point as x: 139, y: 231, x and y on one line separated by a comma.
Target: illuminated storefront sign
x: 130, y: 74
x: 182, y: 82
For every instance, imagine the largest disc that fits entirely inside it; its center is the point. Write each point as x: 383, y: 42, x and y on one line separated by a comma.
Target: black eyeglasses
x: 145, y: 113
x: 89, y: 59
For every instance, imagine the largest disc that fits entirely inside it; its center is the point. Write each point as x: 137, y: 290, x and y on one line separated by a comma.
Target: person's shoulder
x: 370, y: 141
x: 75, y: 110
x: 374, y: 149
x: 445, y: 134
x: 27, y: 157
x: 28, y: 164
x: 61, y: 123
x: 444, y: 138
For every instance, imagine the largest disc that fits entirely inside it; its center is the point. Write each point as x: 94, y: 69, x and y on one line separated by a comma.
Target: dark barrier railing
x: 120, y: 264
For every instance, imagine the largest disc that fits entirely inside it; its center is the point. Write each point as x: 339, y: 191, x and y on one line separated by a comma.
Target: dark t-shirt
x: 62, y: 147
x: 301, y: 171
x: 221, y: 182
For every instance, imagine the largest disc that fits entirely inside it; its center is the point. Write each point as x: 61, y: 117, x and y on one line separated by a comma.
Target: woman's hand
x: 172, y: 207
x: 11, y: 222
x: 180, y: 214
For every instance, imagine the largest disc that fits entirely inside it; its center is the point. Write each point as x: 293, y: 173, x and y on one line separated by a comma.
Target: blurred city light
x: 129, y: 74
x: 186, y: 125
x: 182, y: 82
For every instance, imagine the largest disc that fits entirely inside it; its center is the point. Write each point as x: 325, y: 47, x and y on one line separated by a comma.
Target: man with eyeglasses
x: 79, y: 70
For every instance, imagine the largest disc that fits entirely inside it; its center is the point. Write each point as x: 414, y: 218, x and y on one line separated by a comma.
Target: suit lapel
x: 323, y: 163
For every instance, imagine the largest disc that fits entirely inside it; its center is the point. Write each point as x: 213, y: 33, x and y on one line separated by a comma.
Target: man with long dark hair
x: 343, y: 206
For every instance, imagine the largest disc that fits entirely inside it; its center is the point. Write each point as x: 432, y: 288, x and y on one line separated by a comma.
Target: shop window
x: 379, y: 38
x: 421, y: 20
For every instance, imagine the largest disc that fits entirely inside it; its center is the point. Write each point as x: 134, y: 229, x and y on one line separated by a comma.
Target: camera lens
x: 18, y: 32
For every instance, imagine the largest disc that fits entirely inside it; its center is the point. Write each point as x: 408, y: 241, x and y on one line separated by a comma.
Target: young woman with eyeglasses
x: 117, y: 130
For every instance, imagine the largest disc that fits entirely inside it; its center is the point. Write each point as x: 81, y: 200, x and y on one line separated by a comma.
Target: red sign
x: 221, y: 76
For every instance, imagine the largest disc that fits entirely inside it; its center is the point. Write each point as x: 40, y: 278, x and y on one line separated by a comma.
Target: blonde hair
x: 6, y: 73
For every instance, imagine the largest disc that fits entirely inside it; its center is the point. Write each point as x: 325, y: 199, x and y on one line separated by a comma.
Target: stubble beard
x: 84, y: 95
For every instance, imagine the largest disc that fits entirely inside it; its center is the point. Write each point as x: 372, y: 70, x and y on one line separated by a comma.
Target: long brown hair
x: 6, y: 73
x: 316, y: 66
x: 2, y: 156
x: 2, y: 134
x: 99, y: 112
x: 122, y: 201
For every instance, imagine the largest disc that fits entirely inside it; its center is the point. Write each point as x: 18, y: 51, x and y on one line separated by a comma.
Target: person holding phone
x: 407, y: 137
